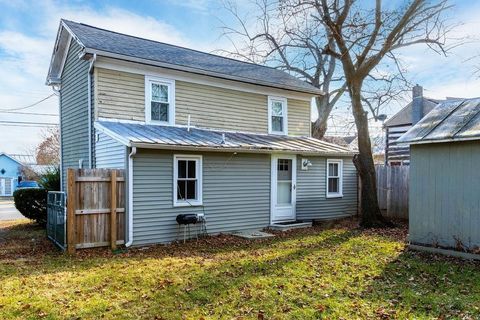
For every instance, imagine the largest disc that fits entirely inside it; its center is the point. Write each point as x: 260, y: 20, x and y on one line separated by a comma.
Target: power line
x: 29, y: 106
x: 28, y: 123
x: 33, y: 113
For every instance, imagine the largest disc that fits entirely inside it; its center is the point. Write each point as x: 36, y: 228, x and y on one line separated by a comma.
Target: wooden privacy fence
x: 95, y: 208
x: 392, y: 190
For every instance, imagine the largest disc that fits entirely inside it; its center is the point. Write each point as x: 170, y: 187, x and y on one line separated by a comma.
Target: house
x: 196, y: 133
x: 444, y: 206
x: 11, y: 171
x: 401, y: 122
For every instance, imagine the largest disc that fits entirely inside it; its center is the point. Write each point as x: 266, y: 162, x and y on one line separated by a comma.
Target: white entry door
x: 284, y: 185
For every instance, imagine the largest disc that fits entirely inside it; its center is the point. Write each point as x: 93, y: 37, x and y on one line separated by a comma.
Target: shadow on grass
x: 422, y: 285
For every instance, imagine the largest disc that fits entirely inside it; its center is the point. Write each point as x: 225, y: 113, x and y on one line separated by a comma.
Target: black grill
x: 187, y: 218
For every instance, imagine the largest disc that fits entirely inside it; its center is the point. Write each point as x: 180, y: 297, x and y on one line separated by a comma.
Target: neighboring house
x: 351, y: 142
x: 196, y: 133
x: 401, y: 122
x: 444, y: 206
x: 10, y: 170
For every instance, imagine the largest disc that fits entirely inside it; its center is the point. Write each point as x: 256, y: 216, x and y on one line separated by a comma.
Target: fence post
x: 71, y: 205
x: 113, y: 216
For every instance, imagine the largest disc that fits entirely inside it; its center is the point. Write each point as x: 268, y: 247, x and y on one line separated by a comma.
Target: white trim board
x: 137, y: 68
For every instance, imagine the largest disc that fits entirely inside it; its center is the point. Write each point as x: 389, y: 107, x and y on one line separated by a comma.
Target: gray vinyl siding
x: 74, y: 111
x: 109, y: 153
x: 444, y: 193
x: 236, y: 194
x: 312, y: 203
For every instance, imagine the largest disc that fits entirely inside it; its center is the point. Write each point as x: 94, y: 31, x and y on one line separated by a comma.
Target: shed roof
x: 452, y: 120
x: 117, y: 45
x: 181, y: 138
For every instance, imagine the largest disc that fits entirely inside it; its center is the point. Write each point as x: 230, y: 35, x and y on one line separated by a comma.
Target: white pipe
x: 130, y: 196
x: 90, y: 133
x: 188, y: 123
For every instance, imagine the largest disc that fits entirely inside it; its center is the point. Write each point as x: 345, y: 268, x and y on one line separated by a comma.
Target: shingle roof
x: 104, y: 42
x: 452, y: 120
x: 170, y: 137
x: 404, y: 116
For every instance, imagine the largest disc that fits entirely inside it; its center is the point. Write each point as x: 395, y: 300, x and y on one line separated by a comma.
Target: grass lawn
x: 335, y: 273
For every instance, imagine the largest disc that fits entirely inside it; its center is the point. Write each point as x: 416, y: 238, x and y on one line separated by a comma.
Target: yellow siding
x: 121, y: 95
x: 298, y: 117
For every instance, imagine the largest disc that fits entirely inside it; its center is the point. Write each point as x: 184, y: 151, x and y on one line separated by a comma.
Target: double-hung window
x: 187, y: 180
x: 277, y: 115
x: 159, y: 100
x: 334, y: 178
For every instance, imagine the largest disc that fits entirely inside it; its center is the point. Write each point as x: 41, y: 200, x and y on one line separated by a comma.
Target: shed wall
x: 444, y: 187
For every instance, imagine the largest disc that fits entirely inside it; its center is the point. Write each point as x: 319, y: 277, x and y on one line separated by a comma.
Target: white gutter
x: 130, y: 196
x: 90, y: 132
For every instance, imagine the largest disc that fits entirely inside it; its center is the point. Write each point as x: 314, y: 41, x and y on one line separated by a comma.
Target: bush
x: 32, y: 203
x: 50, y: 180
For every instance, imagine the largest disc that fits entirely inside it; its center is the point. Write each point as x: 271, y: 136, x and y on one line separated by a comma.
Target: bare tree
x: 290, y: 39
x: 48, y: 151
x: 364, y: 38
x: 288, y: 35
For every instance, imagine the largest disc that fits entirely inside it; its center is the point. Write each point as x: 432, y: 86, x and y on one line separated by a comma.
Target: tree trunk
x: 371, y: 216
x: 324, y: 108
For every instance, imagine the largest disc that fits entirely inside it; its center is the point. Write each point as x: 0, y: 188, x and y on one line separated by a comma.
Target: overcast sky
x: 28, y: 30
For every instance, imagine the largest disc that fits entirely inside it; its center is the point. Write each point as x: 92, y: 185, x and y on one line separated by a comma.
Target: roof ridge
x: 176, y: 46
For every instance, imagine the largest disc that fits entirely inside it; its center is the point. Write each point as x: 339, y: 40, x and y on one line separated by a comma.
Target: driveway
x: 8, y: 211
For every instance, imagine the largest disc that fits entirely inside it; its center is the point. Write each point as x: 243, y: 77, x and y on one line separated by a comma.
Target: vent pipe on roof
x: 417, y: 103
x: 188, y: 123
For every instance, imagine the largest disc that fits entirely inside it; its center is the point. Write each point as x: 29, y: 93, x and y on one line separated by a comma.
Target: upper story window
x: 159, y: 100
x: 277, y: 115
x: 334, y: 178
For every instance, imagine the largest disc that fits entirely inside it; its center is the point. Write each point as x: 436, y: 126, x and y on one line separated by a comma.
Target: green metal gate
x: 56, y: 218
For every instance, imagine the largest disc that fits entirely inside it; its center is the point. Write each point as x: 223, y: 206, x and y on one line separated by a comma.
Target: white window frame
x: 148, y: 99
x: 338, y: 194
x: 199, y: 171
x: 283, y: 100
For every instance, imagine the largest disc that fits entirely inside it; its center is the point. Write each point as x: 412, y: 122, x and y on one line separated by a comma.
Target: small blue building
x: 10, y: 171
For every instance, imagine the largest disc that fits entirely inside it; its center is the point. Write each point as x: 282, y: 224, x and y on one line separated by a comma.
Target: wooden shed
x: 444, y: 197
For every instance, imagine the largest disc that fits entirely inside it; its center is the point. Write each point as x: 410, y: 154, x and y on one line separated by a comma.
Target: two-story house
x: 195, y: 132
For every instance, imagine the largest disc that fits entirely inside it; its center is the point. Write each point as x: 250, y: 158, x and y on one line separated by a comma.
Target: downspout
x: 90, y: 133
x: 133, y: 152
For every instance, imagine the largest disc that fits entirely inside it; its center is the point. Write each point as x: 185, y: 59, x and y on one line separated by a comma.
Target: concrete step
x: 284, y: 226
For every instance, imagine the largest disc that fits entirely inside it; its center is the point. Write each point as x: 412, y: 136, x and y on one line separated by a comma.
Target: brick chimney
x: 417, y: 103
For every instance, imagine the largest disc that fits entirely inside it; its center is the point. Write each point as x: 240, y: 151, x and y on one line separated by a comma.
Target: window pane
x: 181, y: 185
x: 284, y: 169
x: 277, y: 124
x: 182, y: 169
x: 159, y: 92
x: 191, y: 169
x: 333, y: 185
x: 333, y: 169
x: 277, y: 108
x: 191, y: 189
x: 284, y: 192
x: 159, y: 111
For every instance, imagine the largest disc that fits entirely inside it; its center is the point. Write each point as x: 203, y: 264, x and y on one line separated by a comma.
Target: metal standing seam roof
x: 174, y: 137
x: 104, y: 42
x: 404, y: 116
x: 452, y: 120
